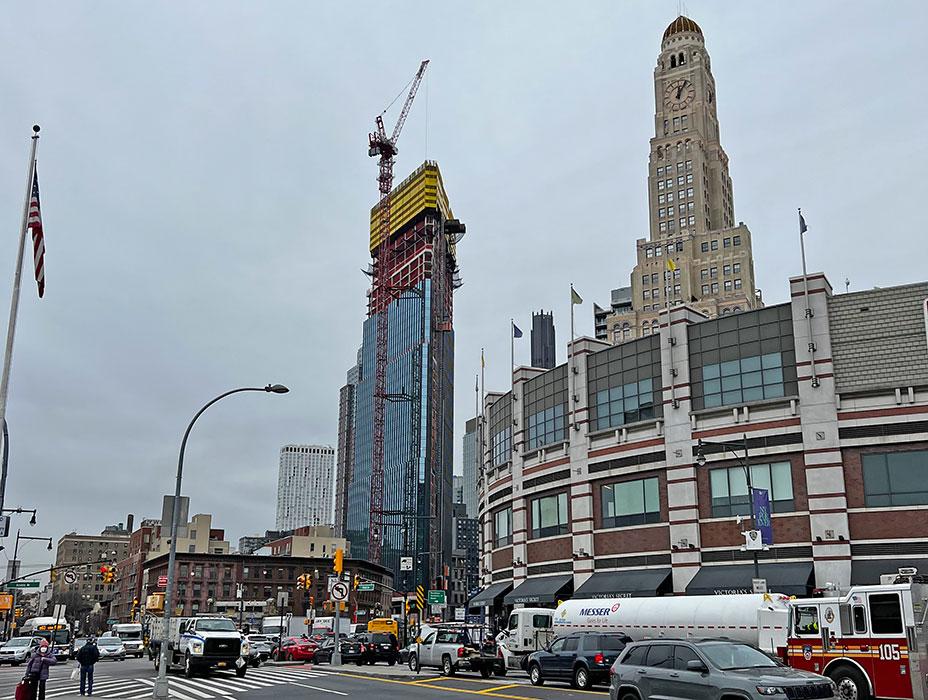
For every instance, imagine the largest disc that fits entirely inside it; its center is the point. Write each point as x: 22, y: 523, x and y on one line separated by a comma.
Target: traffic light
x: 107, y: 574
x: 18, y: 612
x: 304, y: 582
x: 408, y: 606
x: 339, y: 565
x: 357, y: 581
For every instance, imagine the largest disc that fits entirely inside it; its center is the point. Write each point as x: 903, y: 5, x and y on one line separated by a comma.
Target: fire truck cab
x: 870, y: 641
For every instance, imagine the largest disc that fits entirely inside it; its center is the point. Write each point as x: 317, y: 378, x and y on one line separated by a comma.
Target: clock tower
x: 696, y: 253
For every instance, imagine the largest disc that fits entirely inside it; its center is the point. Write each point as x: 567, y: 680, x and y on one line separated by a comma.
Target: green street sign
x: 436, y: 598
x: 22, y: 584
x: 366, y: 586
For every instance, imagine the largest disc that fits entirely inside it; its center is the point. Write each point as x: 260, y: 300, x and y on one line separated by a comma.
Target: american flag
x: 34, y: 223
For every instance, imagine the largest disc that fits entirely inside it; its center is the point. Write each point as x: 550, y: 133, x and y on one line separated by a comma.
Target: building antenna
x: 847, y: 285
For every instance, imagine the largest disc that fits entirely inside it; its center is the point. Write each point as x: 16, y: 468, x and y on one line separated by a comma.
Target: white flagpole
x: 512, y: 355
x: 808, y: 312
x: 17, y: 284
x: 570, y: 402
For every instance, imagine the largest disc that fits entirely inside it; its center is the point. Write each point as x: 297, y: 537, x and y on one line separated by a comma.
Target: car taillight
x: 460, y: 652
x: 612, y: 671
x: 499, y: 653
x: 598, y: 659
x: 362, y: 647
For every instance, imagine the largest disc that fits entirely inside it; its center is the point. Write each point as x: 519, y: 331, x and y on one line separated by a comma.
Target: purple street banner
x: 761, y: 499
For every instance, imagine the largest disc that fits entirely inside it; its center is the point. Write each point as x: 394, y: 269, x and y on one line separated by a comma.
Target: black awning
x: 627, y: 584
x: 789, y: 578
x: 541, y: 589
x: 490, y: 595
x: 864, y: 571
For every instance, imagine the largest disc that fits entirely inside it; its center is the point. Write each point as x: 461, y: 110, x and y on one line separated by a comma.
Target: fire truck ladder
x: 382, y: 293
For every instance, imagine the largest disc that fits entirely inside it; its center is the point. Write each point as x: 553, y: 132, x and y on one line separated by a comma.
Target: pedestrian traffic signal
x: 339, y: 565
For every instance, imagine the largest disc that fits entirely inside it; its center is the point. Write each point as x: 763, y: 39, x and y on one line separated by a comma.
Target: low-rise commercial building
x: 592, y: 483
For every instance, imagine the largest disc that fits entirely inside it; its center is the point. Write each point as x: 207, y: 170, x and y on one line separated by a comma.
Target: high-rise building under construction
x: 418, y: 420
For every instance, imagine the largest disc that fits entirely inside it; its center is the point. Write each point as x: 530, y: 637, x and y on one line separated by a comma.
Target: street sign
x: 4, y: 525
x: 58, y: 612
x: 340, y: 591
x: 22, y: 584
x: 405, y: 563
x: 70, y: 577
x: 112, y: 621
x: 759, y: 585
x: 420, y: 597
x: 460, y: 614
x: 366, y: 586
x: 162, y: 582
x: 437, y: 598
x: 6, y: 601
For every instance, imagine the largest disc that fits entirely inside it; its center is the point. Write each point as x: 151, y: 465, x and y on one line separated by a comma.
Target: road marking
x: 189, y: 687
x: 217, y: 687
x: 499, y: 687
x: 323, y: 690
x: 441, y: 687
x: 430, y: 680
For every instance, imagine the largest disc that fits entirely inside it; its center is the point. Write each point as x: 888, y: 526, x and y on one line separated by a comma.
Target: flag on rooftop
x: 516, y: 331
x: 802, y: 223
x: 574, y: 297
x: 34, y: 223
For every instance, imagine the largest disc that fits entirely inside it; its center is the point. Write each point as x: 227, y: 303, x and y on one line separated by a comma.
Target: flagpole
x: 17, y: 284
x: 482, y: 421
x: 571, y: 403
x: 808, y: 312
x: 512, y: 356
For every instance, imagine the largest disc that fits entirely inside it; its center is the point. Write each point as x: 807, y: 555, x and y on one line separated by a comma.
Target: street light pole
x: 746, y: 466
x: 161, y: 684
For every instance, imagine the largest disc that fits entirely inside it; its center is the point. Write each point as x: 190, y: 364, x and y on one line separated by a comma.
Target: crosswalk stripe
x: 188, y: 686
x: 237, y: 684
x: 217, y: 687
x: 174, y: 692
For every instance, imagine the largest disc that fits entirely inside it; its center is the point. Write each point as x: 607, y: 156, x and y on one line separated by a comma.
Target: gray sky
x: 206, y: 188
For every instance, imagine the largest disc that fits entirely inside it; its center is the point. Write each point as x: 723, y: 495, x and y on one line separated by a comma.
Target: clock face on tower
x: 679, y: 94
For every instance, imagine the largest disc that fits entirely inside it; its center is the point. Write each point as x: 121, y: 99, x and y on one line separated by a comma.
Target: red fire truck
x: 870, y: 641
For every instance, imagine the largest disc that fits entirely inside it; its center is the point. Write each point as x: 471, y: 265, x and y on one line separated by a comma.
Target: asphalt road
x: 134, y: 679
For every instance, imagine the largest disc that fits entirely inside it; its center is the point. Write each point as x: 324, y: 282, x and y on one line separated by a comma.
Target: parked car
x: 354, y: 650
x: 297, y: 649
x: 18, y: 650
x: 261, y: 648
x: 111, y: 648
x: 583, y: 658
x: 324, y: 651
x: 382, y: 647
x: 709, y: 668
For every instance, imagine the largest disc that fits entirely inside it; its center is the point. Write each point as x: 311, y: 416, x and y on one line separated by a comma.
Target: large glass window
x: 631, y: 503
x: 625, y: 383
x: 546, y: 408
x: 502, y: 527
x: 895, y: 478
x: 729, y: 488
x: 549, y: 515
x: 500, y: 423
x: 736, y: 360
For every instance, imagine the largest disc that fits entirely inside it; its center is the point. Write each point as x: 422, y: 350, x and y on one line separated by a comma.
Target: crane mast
x: 383, y: 291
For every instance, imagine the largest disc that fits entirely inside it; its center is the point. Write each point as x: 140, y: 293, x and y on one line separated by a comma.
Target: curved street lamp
x: 161, y: 689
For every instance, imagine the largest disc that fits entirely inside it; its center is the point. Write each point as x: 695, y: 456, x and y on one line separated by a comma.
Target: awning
x: 627, y: 584
x: 793, y: 578
x: 868, y: 571
x: 490, y: 595
x: 541, y: 589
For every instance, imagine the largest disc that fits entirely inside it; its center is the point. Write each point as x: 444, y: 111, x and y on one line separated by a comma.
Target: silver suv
x: 707, y: 670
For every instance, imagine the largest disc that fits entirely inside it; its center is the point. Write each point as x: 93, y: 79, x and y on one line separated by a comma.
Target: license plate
x: 221, y: 664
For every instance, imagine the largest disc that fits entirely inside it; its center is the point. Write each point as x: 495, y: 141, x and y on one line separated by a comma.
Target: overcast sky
x: 206, y: 189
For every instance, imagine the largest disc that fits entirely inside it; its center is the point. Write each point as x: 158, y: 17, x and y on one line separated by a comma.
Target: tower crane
x: 383, y: 291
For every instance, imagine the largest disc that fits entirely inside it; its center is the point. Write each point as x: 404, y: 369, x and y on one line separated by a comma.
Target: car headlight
x: 196, y: 648
x: 770, y: 690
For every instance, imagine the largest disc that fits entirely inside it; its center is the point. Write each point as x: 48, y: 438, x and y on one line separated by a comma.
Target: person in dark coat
x: 37, y: 669
x: 87, y: 656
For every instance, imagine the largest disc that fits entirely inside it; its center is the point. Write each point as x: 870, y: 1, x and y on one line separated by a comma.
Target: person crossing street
x: 37, y: 669
x: 87, y: 656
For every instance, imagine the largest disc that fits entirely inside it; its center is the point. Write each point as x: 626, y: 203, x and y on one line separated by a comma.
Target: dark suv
x: 381, y: 647
x: 582, y: 658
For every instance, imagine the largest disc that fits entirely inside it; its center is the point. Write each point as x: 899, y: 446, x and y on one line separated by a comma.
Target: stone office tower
x: 690, y: 201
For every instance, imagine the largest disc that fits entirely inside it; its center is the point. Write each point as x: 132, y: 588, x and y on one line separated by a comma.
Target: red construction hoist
x: 383, y: 291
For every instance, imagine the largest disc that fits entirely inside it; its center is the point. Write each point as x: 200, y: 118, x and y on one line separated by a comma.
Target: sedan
x: 111, y: 648
x: 295, y: 649
x: 356, y: 649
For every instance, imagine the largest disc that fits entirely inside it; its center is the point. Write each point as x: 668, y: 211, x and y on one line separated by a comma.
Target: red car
x: 297, y: 649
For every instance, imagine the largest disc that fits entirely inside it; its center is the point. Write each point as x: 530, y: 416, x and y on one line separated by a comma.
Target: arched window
x: 626, y: 331
x: 645, y: 328
x: 616, y: 334
x: 682, y: 59
x: 736, y: 309
x: 673, y: 61
x: 654, y: 326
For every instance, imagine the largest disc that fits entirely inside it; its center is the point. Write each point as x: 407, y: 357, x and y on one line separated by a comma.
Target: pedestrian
x: 87, y: 656
x: 37, y: 669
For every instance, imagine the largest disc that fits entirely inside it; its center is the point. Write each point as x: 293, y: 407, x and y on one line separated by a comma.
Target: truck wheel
x: 485, y: 672
x: 240, y: 671
x: 851, y: 683
x: 582, y: 678
x: 534, y: 675
x: 188, y: 666
x: 413, y: 663
x: 447, y: 668
x: 500, y: 670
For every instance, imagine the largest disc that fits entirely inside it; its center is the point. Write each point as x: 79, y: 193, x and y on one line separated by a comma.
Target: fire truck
x: 871, y: 641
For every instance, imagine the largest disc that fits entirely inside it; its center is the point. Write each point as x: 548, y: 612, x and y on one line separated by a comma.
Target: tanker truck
x: 758, y: 619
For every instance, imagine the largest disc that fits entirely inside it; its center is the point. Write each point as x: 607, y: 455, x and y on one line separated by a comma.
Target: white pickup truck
x: 453, y: 649
x: 202, y: 643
